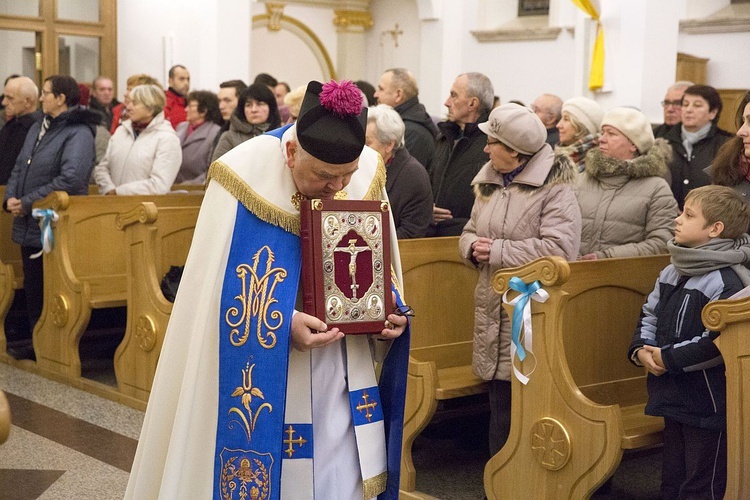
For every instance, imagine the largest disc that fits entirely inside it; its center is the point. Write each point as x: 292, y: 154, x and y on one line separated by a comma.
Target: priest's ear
x: 292, y: 151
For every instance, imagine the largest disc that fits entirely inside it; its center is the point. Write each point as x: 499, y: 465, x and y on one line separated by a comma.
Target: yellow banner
x: 596, y: 73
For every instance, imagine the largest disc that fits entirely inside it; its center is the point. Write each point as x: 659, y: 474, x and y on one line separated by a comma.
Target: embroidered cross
x: 291, y: 442
x: 366, y: 406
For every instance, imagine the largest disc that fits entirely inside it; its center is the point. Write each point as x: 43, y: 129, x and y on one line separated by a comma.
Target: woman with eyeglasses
x: 524, y: 208
x: 627, y: 207
x: 696, y: 140
x: 731, y: 167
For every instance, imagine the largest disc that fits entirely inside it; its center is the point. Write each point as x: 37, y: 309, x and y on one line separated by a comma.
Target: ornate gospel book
x: 346, y: 263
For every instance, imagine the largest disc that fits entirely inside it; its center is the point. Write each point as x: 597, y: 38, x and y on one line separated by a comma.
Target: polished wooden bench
x: 85, y: 270
x: 157, y: 238
x: 440, y: 289
x: 584, y: 402
x: 732, y: 319
x: 11, y: 269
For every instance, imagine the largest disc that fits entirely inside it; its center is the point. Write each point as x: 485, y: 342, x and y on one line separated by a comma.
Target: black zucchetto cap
x: 331, y: 123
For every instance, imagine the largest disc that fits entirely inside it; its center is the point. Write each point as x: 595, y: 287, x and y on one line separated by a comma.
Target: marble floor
x: 67, y: 443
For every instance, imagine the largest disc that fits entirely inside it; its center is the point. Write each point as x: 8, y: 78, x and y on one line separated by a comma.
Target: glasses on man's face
x: 404, y: 310
x: 666, y: 104
x: 45, y: 93
x: 492, y: 143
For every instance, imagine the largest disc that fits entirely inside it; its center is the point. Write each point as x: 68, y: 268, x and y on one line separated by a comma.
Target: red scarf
x: 192, y: 128
x: 138, y: 127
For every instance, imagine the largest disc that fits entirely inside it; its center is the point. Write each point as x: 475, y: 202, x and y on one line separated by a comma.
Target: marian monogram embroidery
x: 256, y: 301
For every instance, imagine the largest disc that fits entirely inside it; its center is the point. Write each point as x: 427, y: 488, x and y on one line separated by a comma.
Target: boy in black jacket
x: 686, y: 381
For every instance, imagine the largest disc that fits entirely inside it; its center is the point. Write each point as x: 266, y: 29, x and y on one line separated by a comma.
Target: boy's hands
x: 650, y: 358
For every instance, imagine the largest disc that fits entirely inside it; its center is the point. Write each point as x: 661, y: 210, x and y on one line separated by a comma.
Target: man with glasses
x: 672, y: 105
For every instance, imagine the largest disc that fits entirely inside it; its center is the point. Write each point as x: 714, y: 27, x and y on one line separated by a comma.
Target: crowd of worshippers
x: 631, y: 177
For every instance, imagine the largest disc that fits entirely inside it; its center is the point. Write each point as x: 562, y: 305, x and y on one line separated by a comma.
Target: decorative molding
x: 331, y: 4
x: 516, y: 34
x: 734, y: 18
x: 275, y: 12
x: 304, y: 33
x: 525, y: 28
x: 353, y: 21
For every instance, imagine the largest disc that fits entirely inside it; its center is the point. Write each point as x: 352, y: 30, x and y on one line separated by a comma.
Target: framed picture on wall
x: 533, y: 7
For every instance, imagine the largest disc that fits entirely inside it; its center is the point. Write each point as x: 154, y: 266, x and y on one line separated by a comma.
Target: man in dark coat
x: 398, y: 89
x: 459, y: 153
x: 20, y: 101
x: 57, y: 155
x: 103, y: 98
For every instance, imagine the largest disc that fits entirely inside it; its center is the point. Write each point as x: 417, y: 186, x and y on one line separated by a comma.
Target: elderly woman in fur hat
x: 524, y: 208
x: 627, y: 206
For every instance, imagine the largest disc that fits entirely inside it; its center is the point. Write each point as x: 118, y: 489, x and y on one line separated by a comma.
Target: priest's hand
x: 395, y: 324
x: 308, y: 332
x: 394, y: 327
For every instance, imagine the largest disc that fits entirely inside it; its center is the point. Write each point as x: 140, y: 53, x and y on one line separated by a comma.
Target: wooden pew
x: 584, y: 402
x: 440, y: 289
x: 156, y: 239
x: 732, y: 319
x: 11, y: 269
x: 85, y: 270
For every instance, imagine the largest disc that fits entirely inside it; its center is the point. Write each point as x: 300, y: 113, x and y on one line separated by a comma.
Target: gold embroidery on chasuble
x: 245, y: 476
x: 257, y: 301
x: 366, y: 406
x: 246, y: 392
x: 290, y: 441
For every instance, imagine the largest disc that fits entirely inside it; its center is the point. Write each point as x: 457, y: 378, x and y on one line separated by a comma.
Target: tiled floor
x: 69, y: 444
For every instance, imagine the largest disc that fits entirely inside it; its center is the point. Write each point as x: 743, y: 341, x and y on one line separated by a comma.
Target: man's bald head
x: 548, y: 108
x: 21, y: 97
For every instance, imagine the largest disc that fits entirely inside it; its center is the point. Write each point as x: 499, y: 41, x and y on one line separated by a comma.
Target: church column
x: 351, y: 26
x: 441, y: 60
x: 641, y: 43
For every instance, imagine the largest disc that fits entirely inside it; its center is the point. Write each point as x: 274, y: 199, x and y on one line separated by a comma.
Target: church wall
x: 214, y: 40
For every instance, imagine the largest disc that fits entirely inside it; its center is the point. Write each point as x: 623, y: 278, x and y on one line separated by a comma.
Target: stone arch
x: 303, y: 32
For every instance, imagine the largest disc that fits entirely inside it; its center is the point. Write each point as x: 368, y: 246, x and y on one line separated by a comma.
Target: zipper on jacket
x: 681, y: 316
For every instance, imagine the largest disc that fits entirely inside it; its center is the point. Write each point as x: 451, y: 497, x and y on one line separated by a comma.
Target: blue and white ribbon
x: 522, y: 317
x: 47, y: 216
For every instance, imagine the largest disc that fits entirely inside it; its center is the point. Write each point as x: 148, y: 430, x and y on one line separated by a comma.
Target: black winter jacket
x: 62, y: 161
x: 12, y: 137
x: 689, y: 174
x: 459, y: 156
x: 693, y: 391
x: 420, y: 132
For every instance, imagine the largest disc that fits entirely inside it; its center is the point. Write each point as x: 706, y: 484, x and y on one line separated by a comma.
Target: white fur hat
x: 633, y: 124
x: 586, y: 111
x: 517, y: 127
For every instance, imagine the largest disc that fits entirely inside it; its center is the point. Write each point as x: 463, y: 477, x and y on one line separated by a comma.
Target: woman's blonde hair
x: 151, y: 96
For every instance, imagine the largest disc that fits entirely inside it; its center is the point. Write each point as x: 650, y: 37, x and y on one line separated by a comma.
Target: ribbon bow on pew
x: 522, y: 317
x: 47, y: 216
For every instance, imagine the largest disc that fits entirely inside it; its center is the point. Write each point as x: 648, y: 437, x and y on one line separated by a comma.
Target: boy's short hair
x: 722, y: 203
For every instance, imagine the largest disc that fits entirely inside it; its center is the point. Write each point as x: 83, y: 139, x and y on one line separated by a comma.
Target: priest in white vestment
x: 251, y: 398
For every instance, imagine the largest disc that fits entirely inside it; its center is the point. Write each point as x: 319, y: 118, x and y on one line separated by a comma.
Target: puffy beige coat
x: 534, y: 216
x: 627, y: 208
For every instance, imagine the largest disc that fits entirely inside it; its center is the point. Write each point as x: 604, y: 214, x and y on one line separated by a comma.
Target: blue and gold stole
x: 257, y: 303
